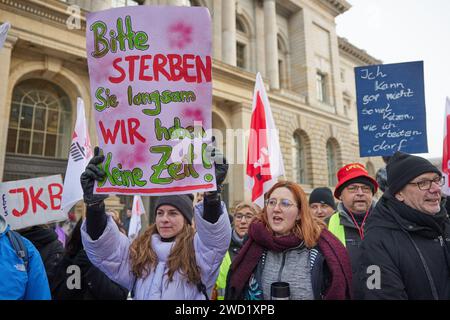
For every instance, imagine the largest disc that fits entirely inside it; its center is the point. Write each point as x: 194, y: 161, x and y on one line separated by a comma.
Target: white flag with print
x: 79, y: 155
x: 135, y: 221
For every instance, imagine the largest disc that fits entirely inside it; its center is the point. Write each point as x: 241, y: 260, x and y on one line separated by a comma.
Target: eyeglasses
x: 354, y: 188
x: 285, y: 204
x: 242, y: 216
x: 426, y: 184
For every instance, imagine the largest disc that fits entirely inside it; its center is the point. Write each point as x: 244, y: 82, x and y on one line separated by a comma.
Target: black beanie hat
x: 322, y: 195
x: 182, y: 202
x: 403, y: 168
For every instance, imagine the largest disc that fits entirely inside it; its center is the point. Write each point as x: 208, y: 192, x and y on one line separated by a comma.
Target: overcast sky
x: 407, y: 30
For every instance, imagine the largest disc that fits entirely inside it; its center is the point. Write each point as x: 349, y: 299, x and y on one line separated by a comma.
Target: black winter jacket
x: 95, y: 285
x: 49, y: 247
x: 353, y: 246
x: 411, y: 250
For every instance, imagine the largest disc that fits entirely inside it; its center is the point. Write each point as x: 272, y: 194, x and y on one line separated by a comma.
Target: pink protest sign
x: 150, y: 76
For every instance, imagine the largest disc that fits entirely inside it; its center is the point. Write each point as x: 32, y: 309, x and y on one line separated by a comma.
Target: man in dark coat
x: 405, y: 253
x: 50, y: 248
x: 355, y: 190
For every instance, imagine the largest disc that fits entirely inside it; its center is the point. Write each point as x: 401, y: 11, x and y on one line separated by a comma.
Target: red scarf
x: 261, y: 239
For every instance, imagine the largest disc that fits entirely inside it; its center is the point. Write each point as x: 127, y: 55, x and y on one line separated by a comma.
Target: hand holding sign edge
x: 94, y: 171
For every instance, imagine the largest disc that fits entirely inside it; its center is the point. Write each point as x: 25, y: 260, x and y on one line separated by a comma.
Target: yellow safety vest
x: 336, y: 228
x: 221, y: 281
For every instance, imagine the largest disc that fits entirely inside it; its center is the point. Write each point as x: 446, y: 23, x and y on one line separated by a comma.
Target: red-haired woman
x: 287, y: 244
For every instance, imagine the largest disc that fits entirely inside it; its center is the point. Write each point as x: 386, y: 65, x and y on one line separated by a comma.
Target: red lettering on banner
x: 158, y: 67
x: 107, y: 135
x: 173, y: 67
x: 188, y: 66
x: 123, y: 132
x: 131, y: 60
x: 131, y: 128
x: 116, y: 66
x: 55, y: 196
x: 35, y: 199
x: 201, y: 68
x: 143, y: 67
x: 26, y: 202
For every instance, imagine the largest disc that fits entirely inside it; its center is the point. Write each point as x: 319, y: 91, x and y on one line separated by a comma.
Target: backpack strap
x: 18, y: 246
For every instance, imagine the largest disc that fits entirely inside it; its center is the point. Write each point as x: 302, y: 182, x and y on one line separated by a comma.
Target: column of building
x: 270, y: 28
x: 5, y: 101
x: 229, y: 32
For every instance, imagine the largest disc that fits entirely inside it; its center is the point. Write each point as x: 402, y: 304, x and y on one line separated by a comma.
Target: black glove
x: 220, y: 164
x: 88, y: 177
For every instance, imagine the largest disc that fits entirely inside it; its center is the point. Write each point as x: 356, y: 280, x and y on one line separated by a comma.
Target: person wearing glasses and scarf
x: 405, y: 254
x: 244, y: 213
x: 287, y: 244
x: 355, y: 190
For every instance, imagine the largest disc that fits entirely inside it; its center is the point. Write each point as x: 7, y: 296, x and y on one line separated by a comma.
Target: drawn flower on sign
x: 195, y: 114
x: 180, y: 35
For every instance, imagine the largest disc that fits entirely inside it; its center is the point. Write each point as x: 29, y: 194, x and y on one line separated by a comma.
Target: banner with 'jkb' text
x: 31, y: 202
x: 150, y: 76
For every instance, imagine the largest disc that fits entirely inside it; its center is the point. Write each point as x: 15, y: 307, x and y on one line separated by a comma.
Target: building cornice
x: 53, y: 12
x: 337, y: 6
x: 356, y: 53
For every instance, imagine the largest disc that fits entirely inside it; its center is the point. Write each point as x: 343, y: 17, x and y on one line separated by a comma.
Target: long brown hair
x: 307, y: 227
x: 181, y: 258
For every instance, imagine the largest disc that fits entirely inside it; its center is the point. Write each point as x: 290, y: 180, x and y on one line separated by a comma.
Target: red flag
x: 264, y: 160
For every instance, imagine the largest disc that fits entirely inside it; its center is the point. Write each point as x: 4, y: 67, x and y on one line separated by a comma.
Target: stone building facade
x: 307, y: 69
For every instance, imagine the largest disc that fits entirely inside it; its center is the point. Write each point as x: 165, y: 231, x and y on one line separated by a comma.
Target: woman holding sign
x: 170, y: 260
x: 289, y: 254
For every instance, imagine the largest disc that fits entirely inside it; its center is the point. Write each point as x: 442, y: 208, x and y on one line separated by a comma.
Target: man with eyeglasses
x: 355, y: 190
x: 405, y: 254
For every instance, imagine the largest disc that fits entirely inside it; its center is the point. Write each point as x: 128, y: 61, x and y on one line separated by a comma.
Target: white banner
x: 26, y: 203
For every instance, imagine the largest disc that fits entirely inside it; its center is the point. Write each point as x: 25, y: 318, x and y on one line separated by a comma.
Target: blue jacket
x: 16, y: 283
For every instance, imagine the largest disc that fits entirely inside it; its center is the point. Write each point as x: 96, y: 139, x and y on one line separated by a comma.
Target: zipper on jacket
x: 441, y: 241
x: 282, y: 266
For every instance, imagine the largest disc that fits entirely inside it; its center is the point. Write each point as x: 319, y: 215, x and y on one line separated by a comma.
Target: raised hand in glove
x: 220, y: 164
x: 88, y: 177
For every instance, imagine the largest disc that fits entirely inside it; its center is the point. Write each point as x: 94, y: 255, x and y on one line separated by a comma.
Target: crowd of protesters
x: 344, y: 244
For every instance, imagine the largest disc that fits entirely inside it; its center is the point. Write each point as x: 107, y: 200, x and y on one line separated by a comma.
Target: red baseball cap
x: 350, y: 172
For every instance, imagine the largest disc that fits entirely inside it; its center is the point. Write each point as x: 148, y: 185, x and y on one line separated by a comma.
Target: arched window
x: 321, y: 87
x: 242, y: 44
x: 40, y: 120
x: 299, y: 160
x: 283, y: 63
x: 370, y: 169
x: 331, y: 162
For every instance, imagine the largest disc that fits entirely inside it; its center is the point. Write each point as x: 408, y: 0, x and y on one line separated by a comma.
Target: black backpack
x: 18, y: 246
